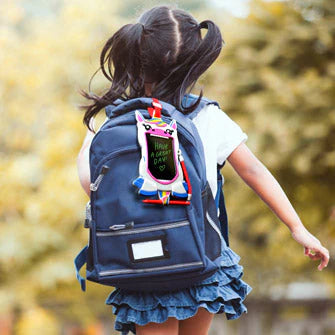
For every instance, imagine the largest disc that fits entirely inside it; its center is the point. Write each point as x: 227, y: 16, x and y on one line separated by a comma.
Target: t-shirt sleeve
x: 228, y: 134
x: 102, y: 123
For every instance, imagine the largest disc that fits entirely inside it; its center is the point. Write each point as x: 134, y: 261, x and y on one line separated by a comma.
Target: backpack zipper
x: 190, y: 139
x: 94, y: 186
x: 141, y: 229
x: 157, y: 268
x: 127, y: 225
x: 115, y: 153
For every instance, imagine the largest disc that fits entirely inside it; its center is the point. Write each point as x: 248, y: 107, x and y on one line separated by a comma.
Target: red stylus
x: 171, y: 202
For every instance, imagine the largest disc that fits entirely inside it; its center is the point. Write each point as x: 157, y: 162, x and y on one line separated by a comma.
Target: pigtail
x: 207, y: 52
x: 120, y: 63
x: 192, y: 66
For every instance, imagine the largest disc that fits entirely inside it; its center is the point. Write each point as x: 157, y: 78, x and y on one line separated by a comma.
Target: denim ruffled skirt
x: 223, y: 292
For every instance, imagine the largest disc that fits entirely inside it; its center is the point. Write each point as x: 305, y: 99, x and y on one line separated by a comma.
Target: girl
x: 163, y: 55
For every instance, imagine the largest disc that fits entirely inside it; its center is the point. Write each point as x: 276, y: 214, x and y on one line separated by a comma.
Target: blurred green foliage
x: 275, y: 77
x: 131, y: 8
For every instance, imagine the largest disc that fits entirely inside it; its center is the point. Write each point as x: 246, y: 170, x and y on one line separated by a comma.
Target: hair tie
x: 141, y: 25
x: 203, y: 24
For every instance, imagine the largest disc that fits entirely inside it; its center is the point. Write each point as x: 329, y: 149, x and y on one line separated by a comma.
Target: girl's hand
x: 311, y: 243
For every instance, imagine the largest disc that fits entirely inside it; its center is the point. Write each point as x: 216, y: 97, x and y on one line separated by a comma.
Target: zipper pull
x: 94, y: 186
x: 127, y: 225
x: 88, y: 217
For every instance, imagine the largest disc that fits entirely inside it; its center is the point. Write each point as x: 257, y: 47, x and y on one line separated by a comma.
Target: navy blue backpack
x: 138, y: 245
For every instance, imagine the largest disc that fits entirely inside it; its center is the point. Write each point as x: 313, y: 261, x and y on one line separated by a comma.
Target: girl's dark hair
x: 164, y: 48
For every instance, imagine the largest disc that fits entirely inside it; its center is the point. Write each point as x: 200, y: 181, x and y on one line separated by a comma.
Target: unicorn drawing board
x: 161, y: 158
x: 160, y: 170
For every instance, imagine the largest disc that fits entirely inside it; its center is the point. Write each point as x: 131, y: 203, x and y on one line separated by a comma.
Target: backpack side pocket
x: 213, y: 237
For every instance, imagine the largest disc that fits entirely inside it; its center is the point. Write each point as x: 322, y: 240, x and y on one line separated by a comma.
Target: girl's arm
x: 259, y: 178
x: 83, y: 160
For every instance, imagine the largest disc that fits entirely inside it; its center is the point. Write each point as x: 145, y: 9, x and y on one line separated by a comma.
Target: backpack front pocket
x: 154, y: 248
x: 115, y: 200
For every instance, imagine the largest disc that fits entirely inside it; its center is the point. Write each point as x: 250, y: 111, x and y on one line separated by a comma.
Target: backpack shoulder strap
x: 221, y: 206
x: 109, y: 109
x: 79, y: 262
x: 190, y: 99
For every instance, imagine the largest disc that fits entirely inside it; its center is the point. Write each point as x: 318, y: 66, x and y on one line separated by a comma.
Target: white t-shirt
x: 220, y: 136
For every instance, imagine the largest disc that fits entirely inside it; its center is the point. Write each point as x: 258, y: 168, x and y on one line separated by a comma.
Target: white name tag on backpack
x: 147, y: 249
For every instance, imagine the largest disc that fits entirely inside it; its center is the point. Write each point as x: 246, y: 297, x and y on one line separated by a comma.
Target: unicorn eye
x: 170, y: 131
x: 147, y: 126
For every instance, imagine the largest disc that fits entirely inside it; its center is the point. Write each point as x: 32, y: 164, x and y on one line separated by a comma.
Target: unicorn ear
x: 173, y: 124
x: 139, y: 116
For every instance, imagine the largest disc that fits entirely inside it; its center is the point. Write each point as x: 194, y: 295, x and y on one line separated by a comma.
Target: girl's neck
x: 147, y: 89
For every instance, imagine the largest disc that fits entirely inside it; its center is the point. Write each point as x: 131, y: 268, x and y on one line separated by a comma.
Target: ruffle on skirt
x: 224, y: 291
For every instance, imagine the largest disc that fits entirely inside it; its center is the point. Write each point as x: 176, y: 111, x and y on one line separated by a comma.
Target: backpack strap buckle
x: 88, y: 219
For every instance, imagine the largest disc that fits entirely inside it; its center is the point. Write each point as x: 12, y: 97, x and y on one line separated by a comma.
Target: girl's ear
x: 139, y: 116
x: 173, y: 124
